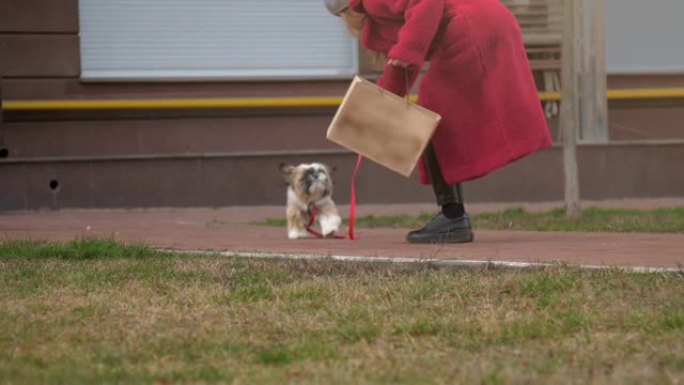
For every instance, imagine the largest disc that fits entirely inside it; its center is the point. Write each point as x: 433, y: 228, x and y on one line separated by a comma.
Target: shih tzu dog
x: 309, y: 192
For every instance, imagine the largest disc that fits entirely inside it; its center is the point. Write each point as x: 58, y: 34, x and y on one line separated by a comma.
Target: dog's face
x: 309, y: 181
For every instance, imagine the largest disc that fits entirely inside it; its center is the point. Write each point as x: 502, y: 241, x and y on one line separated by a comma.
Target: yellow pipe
x: 124, y: 104
x: 283, y: 102
x: 549, y: 96
x: 646, y: 93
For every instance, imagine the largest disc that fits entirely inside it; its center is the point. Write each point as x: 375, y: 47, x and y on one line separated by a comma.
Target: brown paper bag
x: 382, y: 126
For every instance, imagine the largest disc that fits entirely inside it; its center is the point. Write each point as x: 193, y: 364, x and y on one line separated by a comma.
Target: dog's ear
x: 329, y: 168
x: 287, y: 172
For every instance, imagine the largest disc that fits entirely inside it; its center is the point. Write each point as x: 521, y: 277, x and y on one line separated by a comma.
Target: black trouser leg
x: 449, y: 197
x: 444, y: 193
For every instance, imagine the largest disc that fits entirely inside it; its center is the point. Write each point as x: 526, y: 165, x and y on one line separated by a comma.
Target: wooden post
x: 593, y: 80
x: 3, y: 151
x: 570, y: 93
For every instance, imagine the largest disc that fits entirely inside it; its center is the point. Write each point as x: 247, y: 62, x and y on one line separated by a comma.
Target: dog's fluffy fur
x: 309, y: 184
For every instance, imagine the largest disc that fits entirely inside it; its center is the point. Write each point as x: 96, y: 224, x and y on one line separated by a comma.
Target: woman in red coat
x: 479, y: 80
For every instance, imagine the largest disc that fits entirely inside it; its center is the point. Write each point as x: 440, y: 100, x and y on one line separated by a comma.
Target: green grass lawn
x: 670, y: 220
x: 97, y: 312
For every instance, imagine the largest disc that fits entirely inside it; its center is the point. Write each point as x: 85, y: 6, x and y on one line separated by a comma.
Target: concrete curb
x: 440, y: 263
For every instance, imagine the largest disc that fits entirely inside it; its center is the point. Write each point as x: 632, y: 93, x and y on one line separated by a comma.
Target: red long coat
x: 479, y: 79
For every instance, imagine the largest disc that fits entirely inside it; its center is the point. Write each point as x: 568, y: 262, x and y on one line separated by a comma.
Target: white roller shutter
x: 212, y: 40
x: 644, y: 36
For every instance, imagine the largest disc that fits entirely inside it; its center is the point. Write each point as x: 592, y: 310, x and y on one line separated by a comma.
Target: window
x: 124, y: 40
x: 644, y: 36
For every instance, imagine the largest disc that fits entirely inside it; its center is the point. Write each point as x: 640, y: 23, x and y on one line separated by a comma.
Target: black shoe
x: 443, y: 230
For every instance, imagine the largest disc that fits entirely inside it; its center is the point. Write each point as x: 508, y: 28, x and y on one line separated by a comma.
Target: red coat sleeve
x: 398, y: 80
x: 421, y: 21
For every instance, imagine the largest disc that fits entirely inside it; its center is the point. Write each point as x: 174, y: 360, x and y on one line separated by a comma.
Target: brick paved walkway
x: 227, y: 229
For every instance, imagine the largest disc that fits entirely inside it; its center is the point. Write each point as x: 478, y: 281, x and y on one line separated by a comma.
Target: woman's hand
x: 398, y: 63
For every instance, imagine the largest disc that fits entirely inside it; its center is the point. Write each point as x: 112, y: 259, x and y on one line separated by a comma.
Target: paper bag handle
x: 407, y: 96
x: 408, y: 91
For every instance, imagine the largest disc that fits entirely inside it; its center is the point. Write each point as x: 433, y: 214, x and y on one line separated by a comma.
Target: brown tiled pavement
x: 228, y: 229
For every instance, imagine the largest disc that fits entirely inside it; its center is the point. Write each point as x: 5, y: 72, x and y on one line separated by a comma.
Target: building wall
x: 39, y: 39
x: 228, y: 157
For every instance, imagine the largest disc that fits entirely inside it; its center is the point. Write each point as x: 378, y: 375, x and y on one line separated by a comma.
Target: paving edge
x: 443, y: 263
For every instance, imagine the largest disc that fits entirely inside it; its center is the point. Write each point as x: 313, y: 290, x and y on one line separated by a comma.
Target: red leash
x: 313, y: 213
x: 313, y: 210
x: 352, y: 199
